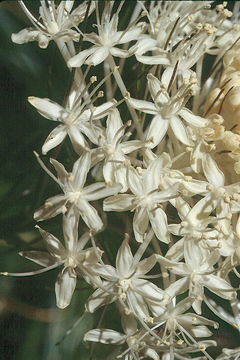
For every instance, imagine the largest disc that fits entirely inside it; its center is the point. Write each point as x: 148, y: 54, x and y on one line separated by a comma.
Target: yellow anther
x: 180, y: 342
x: 165, y: 275
x: 194, y: 320
x: 149, y: 320
x: 64, y: 209
x: 228, y: 216
x: 127, y: 311
x: 93, y: 79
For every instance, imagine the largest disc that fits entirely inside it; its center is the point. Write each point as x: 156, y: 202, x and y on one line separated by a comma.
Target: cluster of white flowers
x: 171, y: 157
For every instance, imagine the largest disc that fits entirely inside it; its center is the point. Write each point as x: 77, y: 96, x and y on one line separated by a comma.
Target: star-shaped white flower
x: 126, y: 282
x: 57, y: 23
x: 74, y: 259
x: 76, y: 119
x: 146, y: 199
x: 113, y: 150
x: 168, y: 111
x: 75, y: 194
x: 107, y: 39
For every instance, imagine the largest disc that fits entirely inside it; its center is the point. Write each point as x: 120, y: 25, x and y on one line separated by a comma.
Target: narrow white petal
x: 77, y: 139
x: 146, y: 265
x: 64, y: 287
x: 144, y: 106
x: 98, y: 56
x: 80, y: 170
x: 52, y: 207
x: 124, y: 260
x: 219, y: 286
x: 159, y: 224
x: 70, y: 229
x: 121, y: 202
x: 147, y: 289
x: 100, y: 298
x: 54, y: 138
x: 212, y: 172
x: 119, y: 52
x: 153, y: 60
x: 114, y: 123
x: 156, y: 131
x: 39, y: 257
x: 53, y: 245
x: 130, y: 146
x: 155, y: 88
x: 89, y: 215
x: 99, y: 111
x: 107, y: 272
x: 175, y: 252
x: 132, y: 34
x: 105, y: 336
x: 79, y: 59
x: 61, y: 171
x: 93, y: 132
x: 140, y: 223
x: 47, y: 108
x: 100, y: 190
x: 192, y: 119
x: 180, y: 131
x: 134, y: 181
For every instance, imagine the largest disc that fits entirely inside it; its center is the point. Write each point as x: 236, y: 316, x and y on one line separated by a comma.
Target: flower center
x: 143, y: 200
x: 70, y: 261
x: 53, y: 27
x: 109, y: 149
x: 124, y: 284
x: 73, y: 196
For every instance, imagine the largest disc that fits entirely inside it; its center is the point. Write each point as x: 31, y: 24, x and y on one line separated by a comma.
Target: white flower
x: 168, y: 111
x: 126, y: 283
x: 198, y: 271
x: 75, y: 119
x: 106, y: 40
x: 72, y: 257
x: 56, y: 23
x: 175, y: 319
x: 75, y: 194
x: 146, y: 201
x: 113, y: 151
x: 139, y: 342
x: 229, y: 354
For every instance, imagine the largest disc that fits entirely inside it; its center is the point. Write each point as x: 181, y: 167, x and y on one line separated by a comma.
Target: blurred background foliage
x: 31, y: 326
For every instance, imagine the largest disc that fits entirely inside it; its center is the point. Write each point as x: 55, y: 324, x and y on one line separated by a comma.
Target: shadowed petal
x: 64, y: 287
x: 54, y: 138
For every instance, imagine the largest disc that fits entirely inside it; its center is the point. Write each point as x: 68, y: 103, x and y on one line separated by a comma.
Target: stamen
x: 69, y: 331
x: 95, y: 248
x: 130, y: 25
x: 221, y: 106
x: 172, y: 77
x: 217, y: 313
x: 171, y: 33
x: 31, y: 273
x: 194, y: 341
x: 216, y: 98
x: 46, y: 169
x: 32, y: 18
